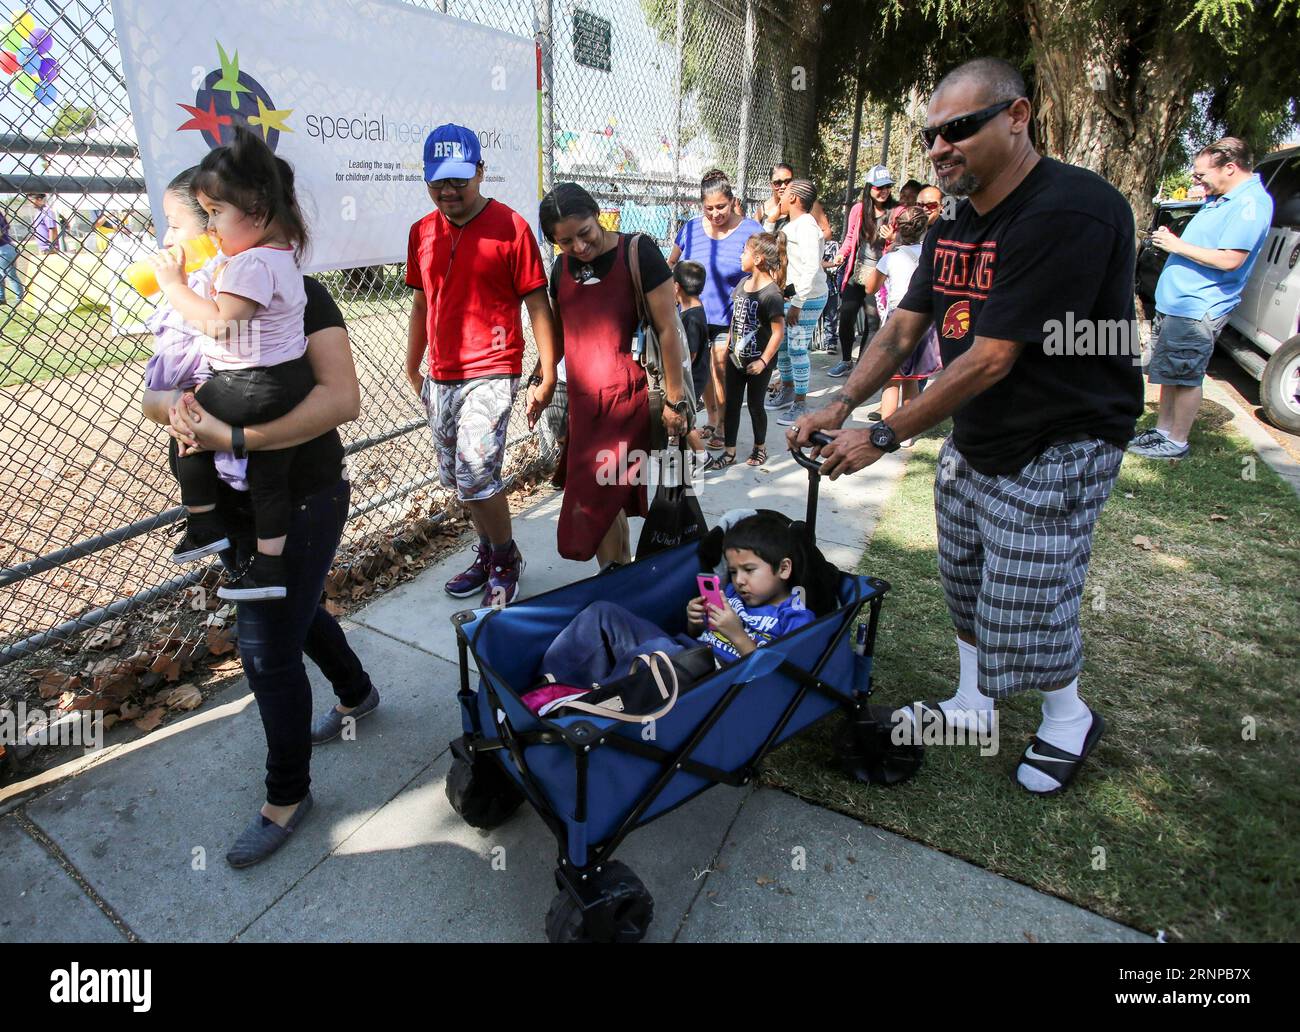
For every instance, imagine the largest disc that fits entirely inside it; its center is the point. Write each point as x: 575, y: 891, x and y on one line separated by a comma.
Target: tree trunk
x: 1109, y: 98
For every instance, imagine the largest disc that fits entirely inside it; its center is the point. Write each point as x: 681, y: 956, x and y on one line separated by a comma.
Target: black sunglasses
x: 965, y: 127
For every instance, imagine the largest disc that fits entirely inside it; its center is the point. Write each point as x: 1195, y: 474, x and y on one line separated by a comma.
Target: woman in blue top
x: 716, y: 240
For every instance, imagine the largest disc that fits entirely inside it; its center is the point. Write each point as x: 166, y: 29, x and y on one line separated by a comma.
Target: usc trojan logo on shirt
x: 956, y: 321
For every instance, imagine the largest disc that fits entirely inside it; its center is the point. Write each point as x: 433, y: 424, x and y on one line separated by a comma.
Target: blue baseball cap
x: 451, y: 152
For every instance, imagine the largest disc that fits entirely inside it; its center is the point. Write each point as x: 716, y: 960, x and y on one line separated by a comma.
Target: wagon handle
x: 812, y: 465
x: 814, y: 468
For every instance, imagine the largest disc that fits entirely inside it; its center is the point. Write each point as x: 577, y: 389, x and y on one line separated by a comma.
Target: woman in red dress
x: 603, y: 469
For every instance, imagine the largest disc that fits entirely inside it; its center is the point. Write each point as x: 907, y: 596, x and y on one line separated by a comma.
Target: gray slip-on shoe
x: 330, y: 726
x: 263, y: 837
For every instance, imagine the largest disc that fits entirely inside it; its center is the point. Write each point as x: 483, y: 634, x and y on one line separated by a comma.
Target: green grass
x: 1183, y: 644
x: 36, y: 347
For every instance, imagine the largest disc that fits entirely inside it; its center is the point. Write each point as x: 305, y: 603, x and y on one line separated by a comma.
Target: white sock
x: 1173, y: 440
x: 968, y: 708
x: 1066, y: 722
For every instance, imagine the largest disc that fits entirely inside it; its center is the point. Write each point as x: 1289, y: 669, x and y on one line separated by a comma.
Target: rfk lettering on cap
x: 451, y: 152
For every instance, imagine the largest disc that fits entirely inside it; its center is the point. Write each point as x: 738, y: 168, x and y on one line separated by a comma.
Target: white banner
x: 346, y: 92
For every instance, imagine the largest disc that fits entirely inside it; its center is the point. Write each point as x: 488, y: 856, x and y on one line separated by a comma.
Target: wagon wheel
x: 865, y: 750
x: 622, y: 914
x: 480, y: 791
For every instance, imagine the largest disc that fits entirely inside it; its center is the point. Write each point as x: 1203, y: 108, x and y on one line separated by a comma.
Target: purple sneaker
x: 503, y: 578
x: 471, y: 580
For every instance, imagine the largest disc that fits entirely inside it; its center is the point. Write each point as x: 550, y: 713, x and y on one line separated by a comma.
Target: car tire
x: 1279, y: 387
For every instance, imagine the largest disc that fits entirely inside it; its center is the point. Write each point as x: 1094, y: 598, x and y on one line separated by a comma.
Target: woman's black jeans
x: 273, y: 636
x: 853, y: 298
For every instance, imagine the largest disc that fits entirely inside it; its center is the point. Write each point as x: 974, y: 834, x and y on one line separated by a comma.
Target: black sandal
x: 1058, y: 764
x: 717, y: 462
x: 757, y: 457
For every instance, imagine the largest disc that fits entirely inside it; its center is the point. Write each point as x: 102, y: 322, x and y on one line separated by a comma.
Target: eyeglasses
x: 932, y: 205
x: 455, y: 184
x: 782, y: 182
x: 965, y: 127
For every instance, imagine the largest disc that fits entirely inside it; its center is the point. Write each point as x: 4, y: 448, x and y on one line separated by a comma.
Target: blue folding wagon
x: 594, y: 779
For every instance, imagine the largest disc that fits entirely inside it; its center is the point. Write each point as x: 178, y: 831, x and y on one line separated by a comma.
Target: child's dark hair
x: 772, y: 537
x: 247, y: 174
x: 912, y: 224
x: 565, y: 201
x: 769, y: 249
x: 183, y: 187
x: 690, y: 277
x: 716, y: 181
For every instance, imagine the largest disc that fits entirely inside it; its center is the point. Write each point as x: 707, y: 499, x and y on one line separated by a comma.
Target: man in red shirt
x: 471, y: 262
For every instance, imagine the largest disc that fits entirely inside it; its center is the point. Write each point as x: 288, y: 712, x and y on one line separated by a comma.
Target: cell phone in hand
x: 710, y: 589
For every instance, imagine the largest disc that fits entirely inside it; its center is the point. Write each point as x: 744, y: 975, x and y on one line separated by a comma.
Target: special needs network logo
x: 25, y: 59
x: 228, y: 97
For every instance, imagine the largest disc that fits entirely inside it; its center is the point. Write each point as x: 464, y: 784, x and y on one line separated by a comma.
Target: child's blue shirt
x: 763, y: 623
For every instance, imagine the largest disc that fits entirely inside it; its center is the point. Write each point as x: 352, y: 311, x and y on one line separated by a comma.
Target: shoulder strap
x: 634, y: 267
x: 658, y: 663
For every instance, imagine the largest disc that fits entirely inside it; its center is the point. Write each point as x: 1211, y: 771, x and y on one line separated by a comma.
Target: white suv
x: 1268, y: 318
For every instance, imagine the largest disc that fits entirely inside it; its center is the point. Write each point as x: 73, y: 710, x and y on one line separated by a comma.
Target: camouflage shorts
x: 469, y: 421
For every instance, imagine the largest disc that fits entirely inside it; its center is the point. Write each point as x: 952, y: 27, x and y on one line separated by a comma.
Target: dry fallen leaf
x: 151, y: 719
x: 1144, y: 542
x: 1216, y: 517
x: 333, y: 608
x: 108, y: 636
x: 56, y: 682
x: 130, y: 711
x: 219, y: 642
x: 761, y: 880
x: 186, y: 697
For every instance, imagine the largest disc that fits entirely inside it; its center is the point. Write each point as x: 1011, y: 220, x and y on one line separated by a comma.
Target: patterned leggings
x: 792, y: 359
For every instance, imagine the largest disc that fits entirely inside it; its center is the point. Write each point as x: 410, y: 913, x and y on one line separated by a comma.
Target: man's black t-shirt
x: 1052, y: 267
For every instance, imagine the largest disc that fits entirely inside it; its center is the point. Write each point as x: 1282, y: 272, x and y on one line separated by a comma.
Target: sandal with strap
x: 757, y: 457
x: 718, y: 462
x: 1056, y: 763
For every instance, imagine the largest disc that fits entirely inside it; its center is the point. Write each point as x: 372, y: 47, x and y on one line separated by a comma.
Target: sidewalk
x: 133, y: 845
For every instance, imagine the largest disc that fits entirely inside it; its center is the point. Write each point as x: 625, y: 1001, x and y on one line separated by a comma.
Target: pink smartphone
x: 711, y: 590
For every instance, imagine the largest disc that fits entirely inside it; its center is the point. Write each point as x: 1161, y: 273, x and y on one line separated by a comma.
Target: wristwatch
x: 883, y: 437
x: 682, y: 408
x: 535, y: 380
x: 237, y: 447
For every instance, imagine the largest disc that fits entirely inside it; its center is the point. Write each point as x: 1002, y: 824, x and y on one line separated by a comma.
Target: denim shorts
x: 1182, y: 348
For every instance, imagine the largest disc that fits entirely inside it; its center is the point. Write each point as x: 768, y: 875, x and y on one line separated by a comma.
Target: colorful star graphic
x: 270, y: 118
x: 205, y: 121
x: 229, y: 80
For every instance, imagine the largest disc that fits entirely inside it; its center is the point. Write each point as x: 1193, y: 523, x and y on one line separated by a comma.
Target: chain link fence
x: 640, y: 98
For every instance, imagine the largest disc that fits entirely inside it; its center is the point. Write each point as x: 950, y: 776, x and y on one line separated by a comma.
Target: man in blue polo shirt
x: 1200, y: 286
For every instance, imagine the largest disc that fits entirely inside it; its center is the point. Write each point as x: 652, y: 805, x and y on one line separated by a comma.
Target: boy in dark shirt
x: 1039, y: 251
x: 688, y: 285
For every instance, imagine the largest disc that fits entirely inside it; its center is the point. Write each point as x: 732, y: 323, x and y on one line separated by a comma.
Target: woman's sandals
x: 757, y: 457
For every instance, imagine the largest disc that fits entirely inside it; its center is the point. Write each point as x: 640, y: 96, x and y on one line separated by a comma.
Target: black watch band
x: 883, y: 437
x: 237, y: 443
x: 535, y: 380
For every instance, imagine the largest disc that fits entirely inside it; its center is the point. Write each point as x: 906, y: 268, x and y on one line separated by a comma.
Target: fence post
x: 545, y: 40
x: 680, y: 40
x: 746, y: 102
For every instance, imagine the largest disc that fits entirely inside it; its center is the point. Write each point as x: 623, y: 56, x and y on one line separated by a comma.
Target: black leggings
x: 739, y: 384
x: 853, y: 298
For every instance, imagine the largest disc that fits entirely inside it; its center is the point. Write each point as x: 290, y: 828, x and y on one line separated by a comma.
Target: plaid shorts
x: 469, y: 422
x: 1013, y: 555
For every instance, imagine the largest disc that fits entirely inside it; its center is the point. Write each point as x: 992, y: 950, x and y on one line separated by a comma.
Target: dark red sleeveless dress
x: 609, y: 409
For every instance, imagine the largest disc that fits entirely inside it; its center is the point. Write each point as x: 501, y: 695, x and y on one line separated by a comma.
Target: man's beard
x: 966, y: 184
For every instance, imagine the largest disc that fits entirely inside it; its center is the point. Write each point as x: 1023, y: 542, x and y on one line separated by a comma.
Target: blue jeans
x: 600, y: 643
x: 273, y: 636
x: 9, y: 272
